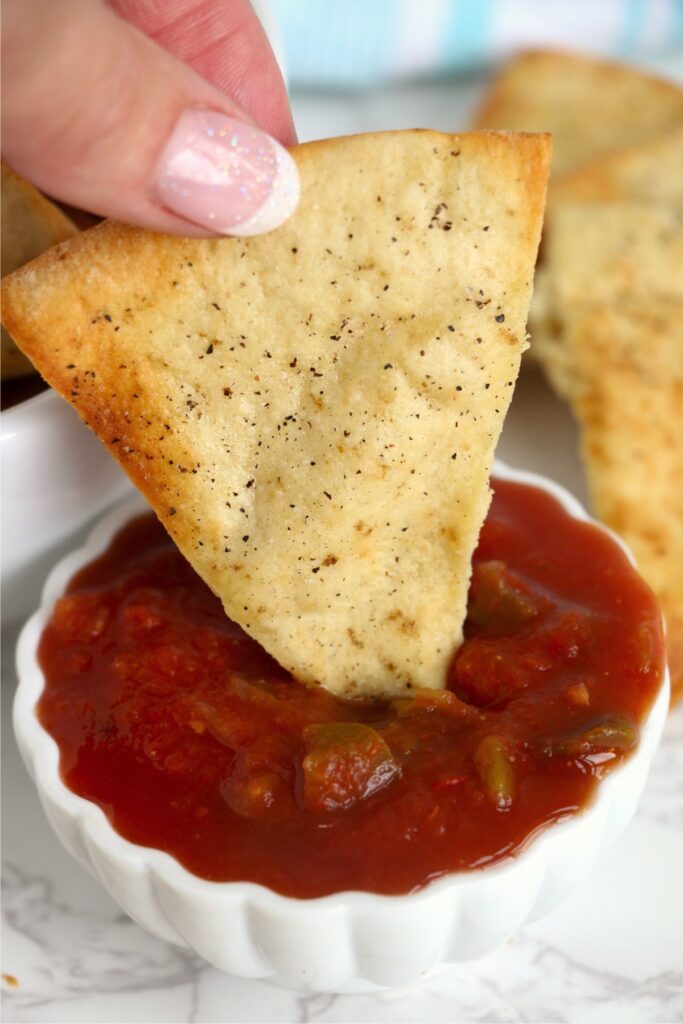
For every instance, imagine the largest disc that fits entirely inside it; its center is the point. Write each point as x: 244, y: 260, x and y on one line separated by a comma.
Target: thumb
x: 102, y: 118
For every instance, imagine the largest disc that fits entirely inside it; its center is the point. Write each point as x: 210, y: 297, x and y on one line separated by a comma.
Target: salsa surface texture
x: 194, y: 741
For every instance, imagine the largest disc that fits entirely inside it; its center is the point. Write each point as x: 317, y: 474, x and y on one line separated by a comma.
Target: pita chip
x: 629, y: 361
x: 600, y: 255
x: 613, y: 283
x: 651, y: 173
x: 313, y: 413
x: 591, y: 107
x: 30, y: 225
x: 604, y: 118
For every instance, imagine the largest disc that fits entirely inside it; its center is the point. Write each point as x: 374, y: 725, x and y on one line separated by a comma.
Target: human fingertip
x: 224, y: 175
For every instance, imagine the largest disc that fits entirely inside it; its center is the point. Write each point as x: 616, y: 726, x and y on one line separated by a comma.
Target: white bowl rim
x: 44, y: 753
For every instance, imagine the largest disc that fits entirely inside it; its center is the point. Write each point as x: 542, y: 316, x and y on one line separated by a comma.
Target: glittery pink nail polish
x: 225, y: 175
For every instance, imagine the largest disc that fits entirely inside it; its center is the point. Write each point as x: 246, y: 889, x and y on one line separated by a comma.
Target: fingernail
x: 226, y: 176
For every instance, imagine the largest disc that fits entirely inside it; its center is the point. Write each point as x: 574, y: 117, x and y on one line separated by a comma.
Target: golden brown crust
x: 30, y: 225
x: 313, y: 413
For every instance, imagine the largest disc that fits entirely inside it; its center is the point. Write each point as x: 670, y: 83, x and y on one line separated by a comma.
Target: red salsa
x: 193, y: 740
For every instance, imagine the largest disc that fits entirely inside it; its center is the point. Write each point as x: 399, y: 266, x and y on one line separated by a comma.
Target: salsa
x: 194, y: 741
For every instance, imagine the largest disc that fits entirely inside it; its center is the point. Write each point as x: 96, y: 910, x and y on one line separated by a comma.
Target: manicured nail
x: 225, y: 175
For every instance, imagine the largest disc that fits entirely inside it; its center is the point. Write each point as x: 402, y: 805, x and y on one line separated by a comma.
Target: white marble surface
x: 612, y: 953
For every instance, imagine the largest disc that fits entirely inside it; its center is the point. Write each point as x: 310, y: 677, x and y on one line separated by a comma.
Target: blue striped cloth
x: 356, y: 43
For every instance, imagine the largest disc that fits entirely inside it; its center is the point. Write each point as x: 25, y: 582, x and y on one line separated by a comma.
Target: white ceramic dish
x: 56, y: 478
x: 349, y: 941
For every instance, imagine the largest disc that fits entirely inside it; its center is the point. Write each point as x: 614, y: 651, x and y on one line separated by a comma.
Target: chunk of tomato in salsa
x: 192, y: 739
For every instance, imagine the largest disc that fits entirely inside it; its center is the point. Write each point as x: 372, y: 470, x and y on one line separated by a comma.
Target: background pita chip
x: 599, y: 113
x: 613, y: 252
x: 30, y: 225
x: 545, y: 330
x: 601, y: 255
x: 629, y: 361
x: 591, y: 107
x: 648, y: 173
x: 313, y: 413
x: 612, y: 344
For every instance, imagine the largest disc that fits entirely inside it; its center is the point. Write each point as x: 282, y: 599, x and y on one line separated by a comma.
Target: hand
x: 148, y: 111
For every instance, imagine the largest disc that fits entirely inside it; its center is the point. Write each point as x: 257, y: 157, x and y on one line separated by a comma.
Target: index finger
x: 224, y: 42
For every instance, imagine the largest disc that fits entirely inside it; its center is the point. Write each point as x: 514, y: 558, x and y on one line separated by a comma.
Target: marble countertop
x: 613, y: 952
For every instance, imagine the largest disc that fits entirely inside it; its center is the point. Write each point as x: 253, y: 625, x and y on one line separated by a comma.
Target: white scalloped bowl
x: 349, y: 941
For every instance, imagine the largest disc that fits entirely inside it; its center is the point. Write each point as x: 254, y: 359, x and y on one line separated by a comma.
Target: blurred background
x: 365, y: 65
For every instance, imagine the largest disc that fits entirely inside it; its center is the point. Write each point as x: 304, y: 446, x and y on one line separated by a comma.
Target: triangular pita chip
x: 629, y: 361
x: 313, y: 413
x: 613, y: 292
x: 30, y: 225
x: 592, y: 107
